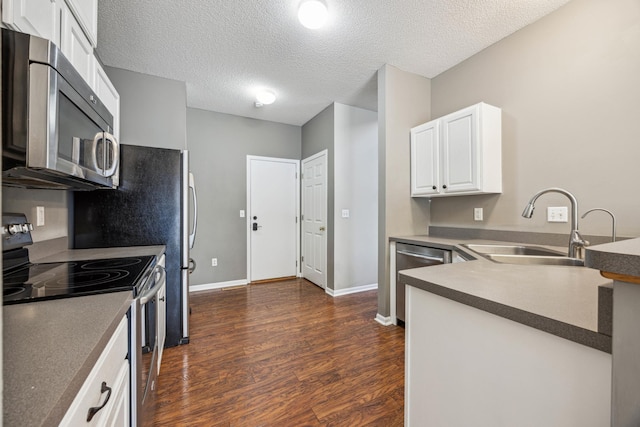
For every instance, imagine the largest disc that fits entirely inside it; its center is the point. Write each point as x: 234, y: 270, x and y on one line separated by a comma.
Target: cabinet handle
x: 94, y: 410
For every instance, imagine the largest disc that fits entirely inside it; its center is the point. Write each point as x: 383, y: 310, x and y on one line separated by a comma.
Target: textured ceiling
x: 225, y: 49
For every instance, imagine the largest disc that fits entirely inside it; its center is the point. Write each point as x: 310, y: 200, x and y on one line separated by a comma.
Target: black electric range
x: 24, y: 281
x: 30, y: 282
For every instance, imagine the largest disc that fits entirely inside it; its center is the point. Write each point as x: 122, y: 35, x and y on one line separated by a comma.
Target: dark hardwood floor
x: 283, y: 354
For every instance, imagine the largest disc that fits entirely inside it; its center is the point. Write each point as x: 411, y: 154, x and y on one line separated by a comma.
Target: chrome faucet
x: 576, y: 242
x: 613, y: 220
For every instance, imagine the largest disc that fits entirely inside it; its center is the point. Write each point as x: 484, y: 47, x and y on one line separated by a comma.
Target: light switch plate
x: 242, y: 213
x: 558, y: 214
x: 345, y: 213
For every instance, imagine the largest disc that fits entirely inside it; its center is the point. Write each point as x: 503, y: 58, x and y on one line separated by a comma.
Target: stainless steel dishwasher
x: 414, y: 256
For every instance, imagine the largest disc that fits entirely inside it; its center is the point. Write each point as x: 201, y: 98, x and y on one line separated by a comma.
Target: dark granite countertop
x: 560, y: 300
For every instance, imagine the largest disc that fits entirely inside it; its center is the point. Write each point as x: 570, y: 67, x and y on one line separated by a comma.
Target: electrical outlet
x: 39, y: 216
x: 477, y: 214
x: 214, y: 262
x: 242, y: 213
x: 558, y: 214
x: 345, y: 213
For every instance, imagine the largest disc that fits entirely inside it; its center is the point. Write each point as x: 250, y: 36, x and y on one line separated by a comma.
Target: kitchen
x: 573, y: 67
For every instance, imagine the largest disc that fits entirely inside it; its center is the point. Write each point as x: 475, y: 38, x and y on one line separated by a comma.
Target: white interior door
x: 272, y: 217
x: 314, y: 219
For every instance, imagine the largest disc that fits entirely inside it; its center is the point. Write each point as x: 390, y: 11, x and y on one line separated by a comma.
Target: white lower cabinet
x: 105, y: 392
x: 458, y: 154
x: 467, y: 367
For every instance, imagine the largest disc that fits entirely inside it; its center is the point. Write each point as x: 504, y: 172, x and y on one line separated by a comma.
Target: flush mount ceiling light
x: 313, y: 14
x: 265, y: 97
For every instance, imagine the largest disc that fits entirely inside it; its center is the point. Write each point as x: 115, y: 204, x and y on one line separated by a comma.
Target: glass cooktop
x: 47, y: 281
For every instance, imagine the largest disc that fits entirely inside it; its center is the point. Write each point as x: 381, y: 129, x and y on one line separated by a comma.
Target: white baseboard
x: 355, y: 289
x: 385, y: 321
x: 219, y: 285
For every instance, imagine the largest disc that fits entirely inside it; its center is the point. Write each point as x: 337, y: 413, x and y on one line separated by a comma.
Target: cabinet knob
x: 434, y: 187
x: 444, y: 186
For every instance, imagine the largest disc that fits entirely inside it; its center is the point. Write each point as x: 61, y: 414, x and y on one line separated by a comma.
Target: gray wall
x: 318, y: 135
x: 56, y: 210
x: 355, y: 189
x: 219, y: 145
x: 152, y: 109
x: 404, y: 101
x: 569, y: 89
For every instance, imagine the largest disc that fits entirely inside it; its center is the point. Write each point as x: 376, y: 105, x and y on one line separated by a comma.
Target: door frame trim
x: 248, y: 209
x: 325, y: 153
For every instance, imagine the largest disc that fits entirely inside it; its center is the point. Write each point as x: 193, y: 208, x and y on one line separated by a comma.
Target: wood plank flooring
x: 283, y: 354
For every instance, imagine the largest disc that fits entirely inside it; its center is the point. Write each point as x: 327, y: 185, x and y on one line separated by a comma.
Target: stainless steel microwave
x: 56, y: 133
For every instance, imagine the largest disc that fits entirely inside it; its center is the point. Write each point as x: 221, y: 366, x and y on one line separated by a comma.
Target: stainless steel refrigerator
x: 155, y: 204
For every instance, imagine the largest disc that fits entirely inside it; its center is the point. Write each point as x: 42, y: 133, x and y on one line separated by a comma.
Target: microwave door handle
x: 114, y: 147
x: 75, y: 150
x: 94, y: 152
x: 192, y: 187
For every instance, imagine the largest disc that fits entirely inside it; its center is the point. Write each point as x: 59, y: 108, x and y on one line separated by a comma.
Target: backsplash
x: 528, y: 237
x: 56, y: 210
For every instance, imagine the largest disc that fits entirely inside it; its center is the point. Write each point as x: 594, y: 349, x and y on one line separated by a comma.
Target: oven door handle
x: 160, y: 275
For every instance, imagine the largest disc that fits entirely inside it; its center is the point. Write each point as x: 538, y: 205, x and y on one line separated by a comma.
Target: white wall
x: 355, y: 189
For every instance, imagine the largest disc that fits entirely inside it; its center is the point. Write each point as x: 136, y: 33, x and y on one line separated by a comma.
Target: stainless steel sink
x: 524, y: 255
x: 512, y: 250
x: 535, y: 260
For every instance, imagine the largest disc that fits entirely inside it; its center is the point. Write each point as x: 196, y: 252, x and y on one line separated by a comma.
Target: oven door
x: 149, y: 350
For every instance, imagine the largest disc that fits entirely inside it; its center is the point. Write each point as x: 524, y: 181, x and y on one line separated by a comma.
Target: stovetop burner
x: 68, y: 279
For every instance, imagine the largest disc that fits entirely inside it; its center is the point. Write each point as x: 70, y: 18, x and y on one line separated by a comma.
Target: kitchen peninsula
x: 512, y: 344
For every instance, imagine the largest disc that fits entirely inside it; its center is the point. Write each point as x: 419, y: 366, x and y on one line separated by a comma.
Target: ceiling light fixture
x: 264, y: 97
x: 313, y: 14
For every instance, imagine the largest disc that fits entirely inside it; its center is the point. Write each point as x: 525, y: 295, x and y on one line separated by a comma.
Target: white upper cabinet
x: 458, y: 154
x: 425, y: 159
x: 86, y: 12
x: 73, y: 26
x: 36, y: 17
x: 108, y: 94
x: 75, y: 45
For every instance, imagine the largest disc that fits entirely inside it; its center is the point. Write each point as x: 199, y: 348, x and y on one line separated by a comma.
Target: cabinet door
x: 109, y: 96
x: 460, y: 157
x: 112, y: 369
x: 86, y: 13
x: 36, y: 17
x: 75, y: 45
x: 425, y: 159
